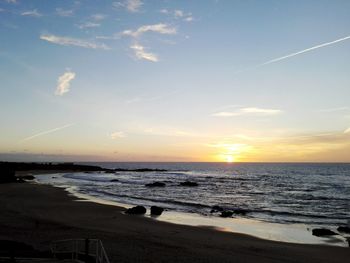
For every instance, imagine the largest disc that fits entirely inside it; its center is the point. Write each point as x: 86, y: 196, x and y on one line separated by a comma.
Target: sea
x: 307, y: 193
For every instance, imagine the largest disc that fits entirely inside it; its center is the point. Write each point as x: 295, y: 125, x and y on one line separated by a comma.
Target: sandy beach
x: 38, y: 214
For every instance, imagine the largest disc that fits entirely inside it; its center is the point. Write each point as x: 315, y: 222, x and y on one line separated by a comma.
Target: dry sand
x: 37, y: 214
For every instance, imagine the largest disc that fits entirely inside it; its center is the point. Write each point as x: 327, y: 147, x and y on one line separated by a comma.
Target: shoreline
x: 38, y: 214
x: 289, y: 233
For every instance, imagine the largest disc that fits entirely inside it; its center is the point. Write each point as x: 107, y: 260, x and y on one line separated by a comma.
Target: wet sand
x: 37, y: 214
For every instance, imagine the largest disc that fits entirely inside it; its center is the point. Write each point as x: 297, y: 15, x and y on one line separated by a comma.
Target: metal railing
x: 80, y: 250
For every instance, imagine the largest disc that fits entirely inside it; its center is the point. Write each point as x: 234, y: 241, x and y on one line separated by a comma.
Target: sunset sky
x: 175, y: 80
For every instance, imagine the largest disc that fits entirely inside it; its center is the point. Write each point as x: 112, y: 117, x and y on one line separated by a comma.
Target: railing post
x: 87, y: 241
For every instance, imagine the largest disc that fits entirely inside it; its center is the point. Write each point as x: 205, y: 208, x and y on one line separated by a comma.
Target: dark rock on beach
x: 320, y: 232
x: 344, y: 229
x: 226, y: 214
x: 156, y: 184
x: 240, y: 212
x: 156, y: 210
x: 28, y: 177
x: 136, y: 210
x: 188, y: 183
x: 216, y: 208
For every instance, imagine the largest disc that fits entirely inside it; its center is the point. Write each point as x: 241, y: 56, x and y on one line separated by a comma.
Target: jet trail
x: 293, y: 54
x: 305, y: 50
x: 46, y: 132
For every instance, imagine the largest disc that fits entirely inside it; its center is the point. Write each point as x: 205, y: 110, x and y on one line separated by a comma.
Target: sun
x: 230, y: 159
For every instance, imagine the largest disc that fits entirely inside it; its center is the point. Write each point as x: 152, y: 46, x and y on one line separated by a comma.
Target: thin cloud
x: 132, y: 6
x: 347, y: 130
x: 98, y: 17
x: 64, y: 13
x: 89, y: 25
x: 63, y: 83
x: 178, y: 13
x: 32, y: 13
x: 46, y: 132
x: 157, y: 28
x: 117, y: 135
x: 68, y: 41
x: 248, y: 111
x: 11, y: 1
x: 140, y: 53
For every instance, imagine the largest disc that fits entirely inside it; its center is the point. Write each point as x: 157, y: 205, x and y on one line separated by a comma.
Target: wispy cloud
x: 157, y: 28
x: 32, y: 13
x: 64, y: 12
x: 63, y: 83
x: 68, y: 41
x: 89, y: 25
x: 178, y: 14
x: 117, y: 135
x: 11, y: 1
x: 46, y: 132
x: 132, y: 6
x: 140, y: 53
x: 248, y: 111
x: 347, y: 130
x: 98, y: 17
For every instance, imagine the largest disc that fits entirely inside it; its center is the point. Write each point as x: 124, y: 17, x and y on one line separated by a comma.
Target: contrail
x: 305, y: 50
x: 46, y: 132
x: 294, y: 54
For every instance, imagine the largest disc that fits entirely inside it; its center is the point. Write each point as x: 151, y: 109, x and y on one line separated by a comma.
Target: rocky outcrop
x: 344, y: 229
x: 320, y: 232
x: 226, y: 214
x: 188, y: 183
x: 240, y: 212
x: 136, y: 210
x: 216, y: 209
x: 156, y: 210
x: 27, y: 177
x: 156, y: 184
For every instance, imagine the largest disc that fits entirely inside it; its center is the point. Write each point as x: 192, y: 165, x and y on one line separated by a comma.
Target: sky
x: 189, y: 81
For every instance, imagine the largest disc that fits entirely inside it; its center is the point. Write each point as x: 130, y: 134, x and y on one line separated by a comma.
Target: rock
x: 136, y: 210
x: 320, y: 232
x: 344, y: 229
x: 240, y: 212
x: 28, y: 177
x: 156, y: 210
x: 216, y: 208
x: 114, y: 180
x: 156, y: 184
x: 188, y: 183
x: 226, y: 214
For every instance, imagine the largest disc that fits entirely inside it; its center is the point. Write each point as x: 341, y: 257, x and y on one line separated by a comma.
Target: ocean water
x: 311, y: 194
